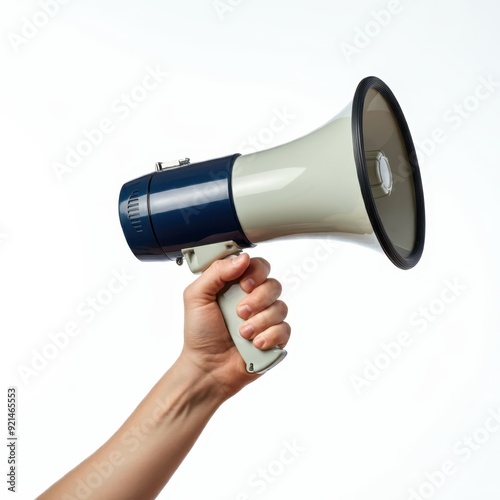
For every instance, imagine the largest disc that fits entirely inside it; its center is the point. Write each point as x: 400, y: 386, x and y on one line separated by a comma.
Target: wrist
x: 194, y: 383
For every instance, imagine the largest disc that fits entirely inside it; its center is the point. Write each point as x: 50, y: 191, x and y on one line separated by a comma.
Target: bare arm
x: 139, y: 459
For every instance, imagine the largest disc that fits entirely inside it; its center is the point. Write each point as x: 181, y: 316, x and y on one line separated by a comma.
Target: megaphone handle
x: 256, y: 360
x: 199, y: 259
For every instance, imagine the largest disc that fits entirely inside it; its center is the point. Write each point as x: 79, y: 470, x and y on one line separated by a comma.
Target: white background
x: 229, y: 70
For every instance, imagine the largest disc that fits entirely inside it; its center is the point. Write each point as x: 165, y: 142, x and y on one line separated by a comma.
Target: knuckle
x: 262, y: 320
x: 260, y: 262
x: 277, y: 287
x: 218, y: 266
x: 189, y: 293
x: 282, y: 308
x: 288, y: 328
x: 282, y: 334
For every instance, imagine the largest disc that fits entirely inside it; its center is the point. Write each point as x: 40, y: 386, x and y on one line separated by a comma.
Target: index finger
x: 256, y: 273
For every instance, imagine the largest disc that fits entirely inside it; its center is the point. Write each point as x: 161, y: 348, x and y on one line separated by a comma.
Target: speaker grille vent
x: 134, y: 212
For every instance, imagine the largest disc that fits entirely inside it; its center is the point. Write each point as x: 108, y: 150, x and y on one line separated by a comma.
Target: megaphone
x: 357, y: 174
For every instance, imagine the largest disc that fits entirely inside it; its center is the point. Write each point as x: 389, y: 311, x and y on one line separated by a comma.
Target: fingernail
x: 259, y: 342
x: 247, y: 330
x: 244, y: 311
x: 249, y: 284
x: 238, y: 260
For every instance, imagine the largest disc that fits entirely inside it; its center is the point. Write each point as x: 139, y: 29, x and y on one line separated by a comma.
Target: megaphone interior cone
x: 388, y: 172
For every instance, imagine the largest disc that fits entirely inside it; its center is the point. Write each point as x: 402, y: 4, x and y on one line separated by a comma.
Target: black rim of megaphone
x: 399, y: 260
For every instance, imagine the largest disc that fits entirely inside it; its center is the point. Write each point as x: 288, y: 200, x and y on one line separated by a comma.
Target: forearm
x: 139, y: 459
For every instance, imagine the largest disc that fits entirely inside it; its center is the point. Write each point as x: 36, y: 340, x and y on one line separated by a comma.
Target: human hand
x: 208, y: 347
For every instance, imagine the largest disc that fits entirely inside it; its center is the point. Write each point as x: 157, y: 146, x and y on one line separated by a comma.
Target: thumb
x: 213, y: 280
